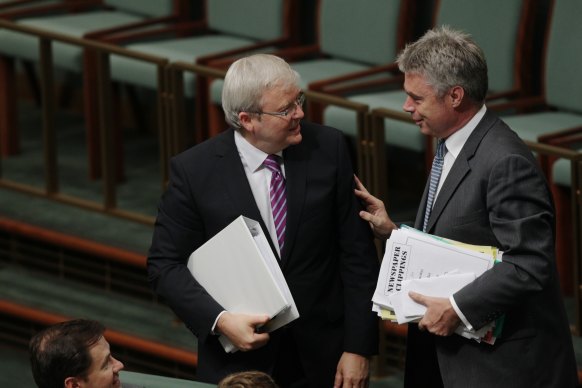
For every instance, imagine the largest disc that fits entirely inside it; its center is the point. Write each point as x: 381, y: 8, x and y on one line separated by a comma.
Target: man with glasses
x: 310, y: 213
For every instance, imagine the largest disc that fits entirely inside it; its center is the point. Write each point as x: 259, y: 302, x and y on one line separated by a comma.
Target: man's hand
x: 440, y: 317
x: 352, y: 371
x: 241, y: 330
x: 381, y: 224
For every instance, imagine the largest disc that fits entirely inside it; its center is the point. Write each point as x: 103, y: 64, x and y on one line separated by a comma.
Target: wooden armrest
x: 356, y: 81
x: 529, y: 102
x: 564, y: 137
x: 16, y: 3
x: 135, y: 32
x: 499, y: 95
x: 40, y: 10
x: 113, y: 31
x: 225, y: 58
x: 296, y: 53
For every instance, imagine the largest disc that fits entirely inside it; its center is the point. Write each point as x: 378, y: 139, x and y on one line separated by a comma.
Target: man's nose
x: 118, y: 365
x: 408, y: 106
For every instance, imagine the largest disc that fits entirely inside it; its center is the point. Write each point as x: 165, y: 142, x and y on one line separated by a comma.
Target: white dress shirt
x: 259, y: 178
x: 454, y: 144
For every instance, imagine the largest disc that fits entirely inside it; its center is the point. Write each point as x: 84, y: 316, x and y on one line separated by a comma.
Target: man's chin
x: 295, y: 138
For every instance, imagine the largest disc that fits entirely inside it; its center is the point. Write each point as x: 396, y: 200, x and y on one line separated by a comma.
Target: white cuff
x: 215, y: 322
x: 459, y: 313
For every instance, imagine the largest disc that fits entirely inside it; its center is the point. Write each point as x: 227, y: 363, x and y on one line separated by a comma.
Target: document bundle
x: 433, y: 266
x: 239, y: 270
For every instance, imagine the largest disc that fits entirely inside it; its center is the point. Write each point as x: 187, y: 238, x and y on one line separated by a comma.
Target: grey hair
x: 248, y: 78
x: 447, y: 58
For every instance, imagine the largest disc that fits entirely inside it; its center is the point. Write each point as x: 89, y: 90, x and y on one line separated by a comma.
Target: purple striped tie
x: 278, y: 197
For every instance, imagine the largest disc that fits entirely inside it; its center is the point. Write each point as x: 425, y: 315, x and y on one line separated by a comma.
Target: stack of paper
x: 239, y: 270
x: 433, y: 266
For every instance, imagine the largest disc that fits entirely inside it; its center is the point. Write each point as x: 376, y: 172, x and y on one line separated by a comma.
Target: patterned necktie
x: 435, y: 176
x: 278, y: 197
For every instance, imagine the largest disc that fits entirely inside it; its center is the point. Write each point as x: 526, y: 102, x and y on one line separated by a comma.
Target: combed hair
x: 447, y: 58
x: 248, y: 78
x: 248, y: 379
x: 62, y: 351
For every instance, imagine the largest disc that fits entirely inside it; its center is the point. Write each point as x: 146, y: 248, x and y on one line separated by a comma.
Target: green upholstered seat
x: 227, y: 30
x: 69, y: 57
x: 494, y: 31
x: 531, y: 126
x: 353, y: 36
x: 562, y: 77
x: 65, y: 56
x: 399, y: 133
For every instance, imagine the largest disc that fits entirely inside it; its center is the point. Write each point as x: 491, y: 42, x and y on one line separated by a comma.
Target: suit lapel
x: 295, y: 158
x: 237, y: 185
x: 460, y: 169
x: 422, y: 207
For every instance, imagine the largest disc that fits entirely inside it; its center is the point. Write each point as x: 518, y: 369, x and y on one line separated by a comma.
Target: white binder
x: 239, y: 270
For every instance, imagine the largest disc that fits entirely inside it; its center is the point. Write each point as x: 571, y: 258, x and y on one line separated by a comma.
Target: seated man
x: 73, y: 354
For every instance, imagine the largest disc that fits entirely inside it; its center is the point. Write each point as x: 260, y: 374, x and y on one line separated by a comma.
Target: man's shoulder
x: 322, y: 134
x: 202, y: 151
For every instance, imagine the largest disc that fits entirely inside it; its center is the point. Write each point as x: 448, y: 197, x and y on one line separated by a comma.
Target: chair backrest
x: 149, y: 8
x: 563, y: 79
x: 369, y: 32
x: 255, y: 19
x: 500, y: 27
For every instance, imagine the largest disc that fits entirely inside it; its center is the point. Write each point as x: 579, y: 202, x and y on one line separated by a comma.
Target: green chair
x: 353, y: 39
x: 228, y: 29
x: 555, y: 111
x: 559, y: 106
x: 73, y: 18
x: 500, y: 27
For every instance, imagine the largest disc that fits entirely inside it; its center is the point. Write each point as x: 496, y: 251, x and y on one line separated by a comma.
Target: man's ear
x: 246, y: 121
x: 72, y: 382
x: 456, y: 94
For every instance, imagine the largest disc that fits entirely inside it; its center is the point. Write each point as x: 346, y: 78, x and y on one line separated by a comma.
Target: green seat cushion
x: 531, y: 126
x: 402, y: 134
x: 144, y: 74
x: 65, y: 56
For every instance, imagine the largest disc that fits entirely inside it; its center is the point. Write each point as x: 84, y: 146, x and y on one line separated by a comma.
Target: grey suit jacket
x: 496, y: 195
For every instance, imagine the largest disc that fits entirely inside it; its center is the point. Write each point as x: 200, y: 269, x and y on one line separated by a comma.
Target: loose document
x: 433, y: 266
x: 239, y: 270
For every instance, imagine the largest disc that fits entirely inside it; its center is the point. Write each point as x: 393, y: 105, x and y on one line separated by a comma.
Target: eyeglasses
x: 290, y: 110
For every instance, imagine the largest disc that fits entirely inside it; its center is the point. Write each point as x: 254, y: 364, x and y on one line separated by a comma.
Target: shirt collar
x: 456, y: 141
x: 253, y: 156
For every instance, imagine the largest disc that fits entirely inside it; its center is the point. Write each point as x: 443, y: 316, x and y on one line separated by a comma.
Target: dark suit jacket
x: 496, y: 195
x: 329, y: 260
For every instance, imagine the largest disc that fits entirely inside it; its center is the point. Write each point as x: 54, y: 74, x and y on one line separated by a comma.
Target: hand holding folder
x: 239, y: 270
x: 432, y: 266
